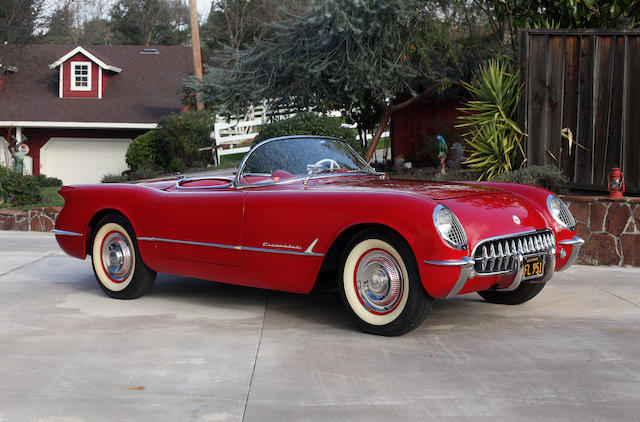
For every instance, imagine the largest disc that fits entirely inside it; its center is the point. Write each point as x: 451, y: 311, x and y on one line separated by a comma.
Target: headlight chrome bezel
x: 440, y: 212
x: 560, y: 212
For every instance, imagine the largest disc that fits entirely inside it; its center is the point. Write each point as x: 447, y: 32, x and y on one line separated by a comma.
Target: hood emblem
x: 516, y: 219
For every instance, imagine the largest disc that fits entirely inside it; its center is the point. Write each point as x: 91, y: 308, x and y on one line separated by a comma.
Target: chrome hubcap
x: 116, y: 256
x: 379, y: 282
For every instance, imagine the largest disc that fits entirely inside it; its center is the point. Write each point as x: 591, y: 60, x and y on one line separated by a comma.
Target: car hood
x: 432, y: 190
x: 484, y: 211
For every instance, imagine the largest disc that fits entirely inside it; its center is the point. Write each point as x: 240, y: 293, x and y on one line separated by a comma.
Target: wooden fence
x: 589, y: 82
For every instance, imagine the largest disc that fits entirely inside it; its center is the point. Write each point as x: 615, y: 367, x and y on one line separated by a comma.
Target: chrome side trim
x: 237, y: 248
x: 280, y: 251
x: 576, y: 246
x: 188, y: 242
x: 310, y: 248
x: 466, y: 272
x: 65, y: 233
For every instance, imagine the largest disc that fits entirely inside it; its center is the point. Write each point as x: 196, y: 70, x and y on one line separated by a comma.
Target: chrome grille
x: 499, y: 255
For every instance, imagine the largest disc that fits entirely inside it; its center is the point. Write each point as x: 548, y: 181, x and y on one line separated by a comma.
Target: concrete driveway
x: 193, y: 350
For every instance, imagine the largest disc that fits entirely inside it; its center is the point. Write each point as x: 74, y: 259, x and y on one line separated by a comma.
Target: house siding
x: 66, y: 79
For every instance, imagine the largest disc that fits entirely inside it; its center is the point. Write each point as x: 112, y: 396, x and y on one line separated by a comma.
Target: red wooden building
x: 80, y: 107
x: 414, y: 130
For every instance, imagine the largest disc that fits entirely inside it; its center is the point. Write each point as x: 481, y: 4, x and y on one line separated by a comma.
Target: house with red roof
x: 79, y: 107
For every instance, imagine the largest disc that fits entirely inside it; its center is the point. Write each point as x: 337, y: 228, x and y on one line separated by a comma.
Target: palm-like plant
x: 493, y: 136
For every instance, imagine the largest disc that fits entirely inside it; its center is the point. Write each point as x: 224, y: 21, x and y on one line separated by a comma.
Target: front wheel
x: 381, y: 285
x: 116, y: 259
x: 523, y: 293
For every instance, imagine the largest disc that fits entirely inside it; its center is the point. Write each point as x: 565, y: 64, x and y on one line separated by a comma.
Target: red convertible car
x: 305, y: 206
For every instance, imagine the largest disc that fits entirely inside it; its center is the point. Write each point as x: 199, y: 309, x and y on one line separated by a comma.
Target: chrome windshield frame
x: 236, y: 181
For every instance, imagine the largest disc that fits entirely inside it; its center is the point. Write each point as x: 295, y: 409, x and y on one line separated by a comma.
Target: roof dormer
x: 82, y: 74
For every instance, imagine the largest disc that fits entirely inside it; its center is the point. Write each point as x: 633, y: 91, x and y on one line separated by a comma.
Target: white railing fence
x: 235, y: 135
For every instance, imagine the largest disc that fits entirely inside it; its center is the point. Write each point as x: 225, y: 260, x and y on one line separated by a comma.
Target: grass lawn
x: 231, y: 160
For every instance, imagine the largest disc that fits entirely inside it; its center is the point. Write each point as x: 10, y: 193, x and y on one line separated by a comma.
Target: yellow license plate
x: 533, y: 267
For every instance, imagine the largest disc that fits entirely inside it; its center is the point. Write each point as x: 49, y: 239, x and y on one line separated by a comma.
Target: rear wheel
x: 523, y: 293
x: 380, y: 284
x: 116, y: 259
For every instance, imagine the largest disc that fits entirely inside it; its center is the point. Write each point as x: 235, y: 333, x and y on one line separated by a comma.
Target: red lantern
x: 616, y: 183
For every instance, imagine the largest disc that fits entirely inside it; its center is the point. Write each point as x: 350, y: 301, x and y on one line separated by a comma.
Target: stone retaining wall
x: 611, y: 228
x: 35, y: 220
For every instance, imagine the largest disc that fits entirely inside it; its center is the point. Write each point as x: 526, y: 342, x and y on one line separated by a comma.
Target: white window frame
x: 75, y: 87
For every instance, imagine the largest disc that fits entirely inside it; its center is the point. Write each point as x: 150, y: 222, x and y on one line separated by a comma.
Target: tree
x: 513, y: 15
x: 150, y: 22
x: 18, y: 20
x: 62, y: 26
x: 236, y: 23
x: 77, y: 22
x: 340, y: 54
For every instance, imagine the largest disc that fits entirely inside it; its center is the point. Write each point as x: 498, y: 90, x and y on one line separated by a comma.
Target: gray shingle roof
x: 149, y: 86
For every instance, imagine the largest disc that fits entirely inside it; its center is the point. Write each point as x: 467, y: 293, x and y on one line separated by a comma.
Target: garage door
x: 83, y: 160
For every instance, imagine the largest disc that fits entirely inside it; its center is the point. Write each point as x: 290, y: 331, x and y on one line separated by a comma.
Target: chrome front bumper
x: 467, y: 267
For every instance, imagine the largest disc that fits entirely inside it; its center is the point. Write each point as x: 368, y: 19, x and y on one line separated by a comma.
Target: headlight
x: 560, y: 212
x: 449, y: 227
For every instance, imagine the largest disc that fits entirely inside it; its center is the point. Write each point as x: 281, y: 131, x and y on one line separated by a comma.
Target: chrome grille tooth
x: 537, y: 242
x: 507, y: 254
x: 485, y: 257
x: 520, y: 247
x: 530, y: 245
x: 500, y: 256
x: 492, y: 257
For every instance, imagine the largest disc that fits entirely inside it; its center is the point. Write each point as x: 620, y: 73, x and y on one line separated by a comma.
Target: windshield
x: 287, y: 158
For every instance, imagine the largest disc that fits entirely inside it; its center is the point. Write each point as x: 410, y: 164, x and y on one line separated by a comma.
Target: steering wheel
x: 333, y: 164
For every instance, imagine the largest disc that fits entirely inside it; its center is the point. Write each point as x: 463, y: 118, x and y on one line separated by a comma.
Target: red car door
x: 201, y: 225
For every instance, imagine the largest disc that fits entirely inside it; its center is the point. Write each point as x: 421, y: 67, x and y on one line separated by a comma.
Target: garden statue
x: 442, y: 152
x: 457, y: 157
x: 18, y: 161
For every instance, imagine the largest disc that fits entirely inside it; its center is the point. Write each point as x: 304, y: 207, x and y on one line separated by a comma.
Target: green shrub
x: 548, y: 177
x: 174, y: 143
x: 17, y: 190
x: 309, y: 124
x: 113, y: 178
x: 140, y: 153
x: 46, y: 182
x: 142, y: 174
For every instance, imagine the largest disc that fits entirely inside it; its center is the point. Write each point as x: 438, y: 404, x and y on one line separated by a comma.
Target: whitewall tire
x: 380, y: 284
x: 117, y: 264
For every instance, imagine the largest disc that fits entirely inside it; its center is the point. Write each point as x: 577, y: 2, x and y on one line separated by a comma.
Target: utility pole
x: 195, y: 42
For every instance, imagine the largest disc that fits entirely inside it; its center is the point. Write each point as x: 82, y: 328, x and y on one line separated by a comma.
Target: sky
x: 203, y: 6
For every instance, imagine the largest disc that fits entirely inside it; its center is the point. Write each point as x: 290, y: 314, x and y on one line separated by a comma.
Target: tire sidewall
x: 139, y: 280
x: 415, y: 303
x: 351, y: 295
x: 98, y: 265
